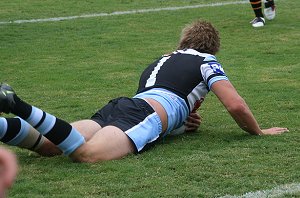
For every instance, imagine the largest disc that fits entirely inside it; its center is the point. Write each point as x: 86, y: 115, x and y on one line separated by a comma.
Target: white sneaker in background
x: 270, y: 13
x: 258, y: 22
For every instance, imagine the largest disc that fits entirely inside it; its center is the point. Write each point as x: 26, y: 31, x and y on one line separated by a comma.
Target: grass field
x: 71, y: 68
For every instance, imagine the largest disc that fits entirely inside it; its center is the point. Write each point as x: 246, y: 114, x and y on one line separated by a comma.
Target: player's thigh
x: 109, y: 143
x: 87, y: 128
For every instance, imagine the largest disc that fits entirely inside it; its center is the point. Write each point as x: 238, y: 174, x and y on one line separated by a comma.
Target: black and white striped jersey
x: 187, y: 73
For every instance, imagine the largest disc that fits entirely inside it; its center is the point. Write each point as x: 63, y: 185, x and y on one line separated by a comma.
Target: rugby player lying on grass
x: 170, y: 91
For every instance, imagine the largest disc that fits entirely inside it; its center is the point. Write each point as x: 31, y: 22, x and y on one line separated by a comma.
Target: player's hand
x: 193, y: 122
x: 274, y: 131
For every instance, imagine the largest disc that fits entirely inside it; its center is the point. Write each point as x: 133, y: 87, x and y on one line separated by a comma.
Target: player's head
x: 200, y: 36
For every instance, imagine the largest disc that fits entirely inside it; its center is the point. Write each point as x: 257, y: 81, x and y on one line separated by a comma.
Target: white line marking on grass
x: 123, y: 12
x: 278, y: 191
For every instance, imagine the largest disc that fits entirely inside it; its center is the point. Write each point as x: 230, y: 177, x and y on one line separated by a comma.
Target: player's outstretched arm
x: 239, y: 110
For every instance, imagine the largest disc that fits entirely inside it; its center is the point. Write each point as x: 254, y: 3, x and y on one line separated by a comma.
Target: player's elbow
x: 238, y: 107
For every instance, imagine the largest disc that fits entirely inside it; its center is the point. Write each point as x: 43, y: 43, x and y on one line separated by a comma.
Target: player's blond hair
x: 200, y: 36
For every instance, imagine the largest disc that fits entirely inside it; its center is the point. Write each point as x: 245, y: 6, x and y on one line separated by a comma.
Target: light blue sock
x: 59, y: 132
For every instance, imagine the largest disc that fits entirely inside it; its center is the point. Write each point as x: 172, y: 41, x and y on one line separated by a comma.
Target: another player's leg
x: 17, y: 132
x: 269, y: 10
x: 59, y: 132
x: 259, y: 20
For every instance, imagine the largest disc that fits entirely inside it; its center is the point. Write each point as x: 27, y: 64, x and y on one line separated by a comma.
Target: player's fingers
x: 281, y: 129
x: 194, y: 120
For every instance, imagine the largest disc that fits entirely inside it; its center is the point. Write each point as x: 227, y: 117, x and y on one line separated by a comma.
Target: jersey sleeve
x: 212, y: 72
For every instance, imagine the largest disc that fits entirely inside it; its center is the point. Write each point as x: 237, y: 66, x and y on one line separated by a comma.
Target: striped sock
x: 56, y: 130
x: 17, y: 132
x: 13, y: 130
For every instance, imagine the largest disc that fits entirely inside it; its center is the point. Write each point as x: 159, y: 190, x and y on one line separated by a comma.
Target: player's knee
x: 87, y: 154
x: 48, y: 149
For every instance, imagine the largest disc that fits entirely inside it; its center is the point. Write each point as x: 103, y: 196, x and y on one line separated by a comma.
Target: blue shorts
x: 176, y: 108
x: 133, y: 116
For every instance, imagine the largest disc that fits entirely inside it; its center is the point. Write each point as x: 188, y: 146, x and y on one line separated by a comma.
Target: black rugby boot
x: 7, y: 101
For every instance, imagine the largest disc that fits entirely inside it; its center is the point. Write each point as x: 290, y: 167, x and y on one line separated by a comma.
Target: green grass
x: 72, y: 68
